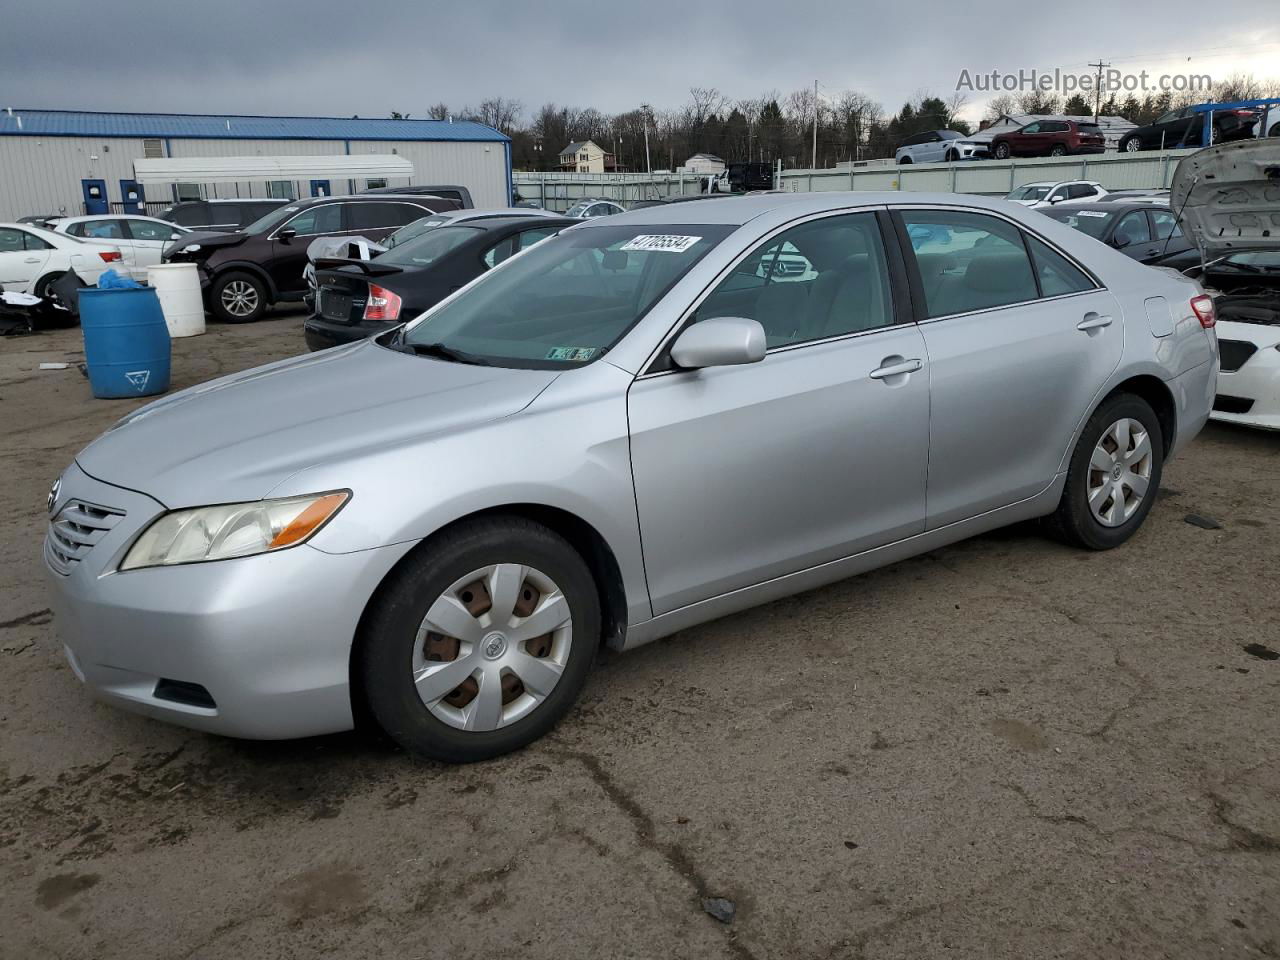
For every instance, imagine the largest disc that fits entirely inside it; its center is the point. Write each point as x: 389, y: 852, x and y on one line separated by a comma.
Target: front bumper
x: 268, y: 637
x: 321, y: 334
x: 1250, y: 394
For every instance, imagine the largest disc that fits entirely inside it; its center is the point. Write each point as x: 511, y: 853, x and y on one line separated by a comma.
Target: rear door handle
x: 895, y: 369
x: 1093, y: 321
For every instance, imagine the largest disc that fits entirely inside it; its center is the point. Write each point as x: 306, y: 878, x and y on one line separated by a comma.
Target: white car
x: 144, y: 237
x: 1228, y: 204
x: 590, y: 209
x: 940, y: 146
x: 32, y: 258
x: 1044, y: 193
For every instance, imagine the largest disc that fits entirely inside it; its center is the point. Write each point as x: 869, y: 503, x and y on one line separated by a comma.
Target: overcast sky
x: 326, y: 57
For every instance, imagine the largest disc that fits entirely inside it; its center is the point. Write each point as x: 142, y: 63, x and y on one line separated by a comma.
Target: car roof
x: 490, y: 224
x: 740, y: 210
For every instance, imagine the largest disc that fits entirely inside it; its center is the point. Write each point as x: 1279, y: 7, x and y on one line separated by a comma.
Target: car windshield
x: 1031, y: 191
x: 1268, y: 260
x: 271, y: 218
x: 1092, y: 222
x: 428, y: 247
x: 568, y: 299
x: 413, y: 230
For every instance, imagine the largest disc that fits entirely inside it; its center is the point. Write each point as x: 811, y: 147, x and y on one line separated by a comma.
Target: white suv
x: 940, y: 146
x: 1045, y: 193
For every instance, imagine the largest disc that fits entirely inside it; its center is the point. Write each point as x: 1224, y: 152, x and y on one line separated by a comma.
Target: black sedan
x: 1146, y: 231
x: 356, y: 299
x: 1185, y: 128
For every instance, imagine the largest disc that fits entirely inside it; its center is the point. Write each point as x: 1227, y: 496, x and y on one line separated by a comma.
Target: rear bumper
x: 1090, y: 148
x: 321, y: 334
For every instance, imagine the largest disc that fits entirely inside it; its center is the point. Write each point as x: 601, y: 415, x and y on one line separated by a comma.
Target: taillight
x: 109, y: 256
x: 1203, y: 307
x: 382, y: 304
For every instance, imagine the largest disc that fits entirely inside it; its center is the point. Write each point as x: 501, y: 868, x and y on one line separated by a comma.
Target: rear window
x: 1092, y: 222
x: 428, y: 247
x: 1089, y: 128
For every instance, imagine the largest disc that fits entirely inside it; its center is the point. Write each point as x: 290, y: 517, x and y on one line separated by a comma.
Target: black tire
x: 223, y: 302
x: 1057, y: 150
x: 1073, y: 521
x: 1274, y: 131
x: 386, y: 644
x: 44, y: 286
x: 952, y: 156
x: 904, y: 161
x: 1130, y: 145
x: 1002, y: 151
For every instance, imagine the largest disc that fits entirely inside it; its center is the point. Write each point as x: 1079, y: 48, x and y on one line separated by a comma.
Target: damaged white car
x: 1228, y: 199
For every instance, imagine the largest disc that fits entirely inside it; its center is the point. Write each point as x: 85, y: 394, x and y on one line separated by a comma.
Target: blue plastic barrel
x: 126, y: 342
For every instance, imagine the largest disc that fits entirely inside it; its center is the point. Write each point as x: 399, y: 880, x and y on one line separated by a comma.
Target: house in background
x: 1113, y: 128
x: 586, y: 156
x: 703, y: 165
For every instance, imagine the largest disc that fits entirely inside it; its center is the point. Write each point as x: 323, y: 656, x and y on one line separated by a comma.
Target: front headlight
x: 232, y: 530
x: 190, y: 248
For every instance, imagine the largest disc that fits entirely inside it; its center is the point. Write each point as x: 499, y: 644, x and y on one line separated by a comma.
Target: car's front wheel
x: 905, y: 160
x: 238, y: 297
x: 481, y: 641
x: 1130, y: 145
x: 1002, y: 151
x: 1113, y: 475
x: 1057, y: 150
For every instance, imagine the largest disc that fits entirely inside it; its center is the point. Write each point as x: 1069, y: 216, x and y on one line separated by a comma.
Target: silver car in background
x: 629, y: 429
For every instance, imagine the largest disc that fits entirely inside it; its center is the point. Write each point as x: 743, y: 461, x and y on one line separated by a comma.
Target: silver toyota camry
x: 644, y: 423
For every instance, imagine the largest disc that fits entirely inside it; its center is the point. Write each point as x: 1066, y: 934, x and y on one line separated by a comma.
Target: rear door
x: 23, y: 257
x: 819, y: 451
x: 1020, y: 340
x: 1168, y: 236
x: 148, y: 239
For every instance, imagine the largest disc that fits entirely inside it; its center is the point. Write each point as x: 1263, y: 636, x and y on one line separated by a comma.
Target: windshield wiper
x: 441, y: 352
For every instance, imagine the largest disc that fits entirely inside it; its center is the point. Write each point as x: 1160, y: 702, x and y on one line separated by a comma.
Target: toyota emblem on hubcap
x: 494, y: 646
x: 53, y: 495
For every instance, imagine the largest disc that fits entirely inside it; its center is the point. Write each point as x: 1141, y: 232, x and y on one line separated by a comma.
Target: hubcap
x: 1119, y: 472
x: 239, y: 298
x: 492, y: 647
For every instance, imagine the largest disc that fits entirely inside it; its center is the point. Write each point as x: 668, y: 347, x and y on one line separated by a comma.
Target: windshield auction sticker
x: 571, y: 353
x: 660, y: 244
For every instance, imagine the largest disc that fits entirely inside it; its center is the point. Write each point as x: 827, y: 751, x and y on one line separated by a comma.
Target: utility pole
x: 1097, y: 91
x: 648, y: 166
x: 813, y: 164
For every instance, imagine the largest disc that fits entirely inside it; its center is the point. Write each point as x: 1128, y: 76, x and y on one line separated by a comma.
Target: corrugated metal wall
x: 41, y: 175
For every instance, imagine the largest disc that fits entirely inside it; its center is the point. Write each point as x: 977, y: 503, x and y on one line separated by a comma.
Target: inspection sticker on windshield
x: 571, y: 353
x: 1092, y: 213
x: 660, y: 243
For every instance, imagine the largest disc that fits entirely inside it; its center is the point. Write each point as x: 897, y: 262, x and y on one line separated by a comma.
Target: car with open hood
x: 631, y: 428
x: 245, y: 271
x: 1228, y: 198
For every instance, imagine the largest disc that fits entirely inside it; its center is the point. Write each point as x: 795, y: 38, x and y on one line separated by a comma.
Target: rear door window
x: 968, y: 261
x: 1132, y: 229
x: 1078, y: 190
x: 1165, y: 223
x: 193, y: 215
x: 101, y: 229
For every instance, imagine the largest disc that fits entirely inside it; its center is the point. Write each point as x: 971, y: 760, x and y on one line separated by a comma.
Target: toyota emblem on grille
x: 53, y: 495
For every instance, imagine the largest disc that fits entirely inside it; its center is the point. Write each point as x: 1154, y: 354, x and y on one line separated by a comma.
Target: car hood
x: 238, y: 437
x: 208, y: 239
x: 1228, y: 197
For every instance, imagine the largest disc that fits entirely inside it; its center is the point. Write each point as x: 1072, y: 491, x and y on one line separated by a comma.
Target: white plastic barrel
x: 178, y: 287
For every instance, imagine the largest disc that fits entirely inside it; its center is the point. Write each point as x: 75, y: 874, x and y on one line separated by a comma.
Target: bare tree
x: 439, y: 111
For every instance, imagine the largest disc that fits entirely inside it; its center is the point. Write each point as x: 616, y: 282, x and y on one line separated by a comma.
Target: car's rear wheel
x: 238, y: 297
x: 1002, y: 151
x: 1130, y: 145
x: 1057, y: 150
x: 44, y: 286
x: 481, y: 641
x: 905, y: 160
x: 1113, y: 475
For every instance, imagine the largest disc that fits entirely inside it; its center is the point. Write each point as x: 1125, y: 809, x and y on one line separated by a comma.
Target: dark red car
x: 1049, y: 138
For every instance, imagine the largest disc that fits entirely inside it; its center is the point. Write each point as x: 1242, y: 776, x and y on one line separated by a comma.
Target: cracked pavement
x: 1006, y: 748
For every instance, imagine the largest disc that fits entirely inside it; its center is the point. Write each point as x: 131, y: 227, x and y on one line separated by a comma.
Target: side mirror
x: 287, y: 234
x: 1120, y: 241
x: 1056, y: 199
x: 719, y: 342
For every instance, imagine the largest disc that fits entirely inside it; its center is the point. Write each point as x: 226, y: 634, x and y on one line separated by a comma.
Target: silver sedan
x: 644, y: 423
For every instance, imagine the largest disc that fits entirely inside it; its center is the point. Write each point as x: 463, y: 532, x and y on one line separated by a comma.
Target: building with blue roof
x: 70, y: 162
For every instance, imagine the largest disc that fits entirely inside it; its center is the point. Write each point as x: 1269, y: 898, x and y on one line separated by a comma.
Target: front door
x: 134, y: 196
x: 819, y: 451
x: 95, y: 196
x: 1020, y: 342
x: 289, y: 253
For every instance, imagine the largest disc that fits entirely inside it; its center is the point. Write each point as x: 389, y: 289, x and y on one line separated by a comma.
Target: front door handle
x: 1093, y: 321
x: 31, y: 260
x: 895, y: 369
